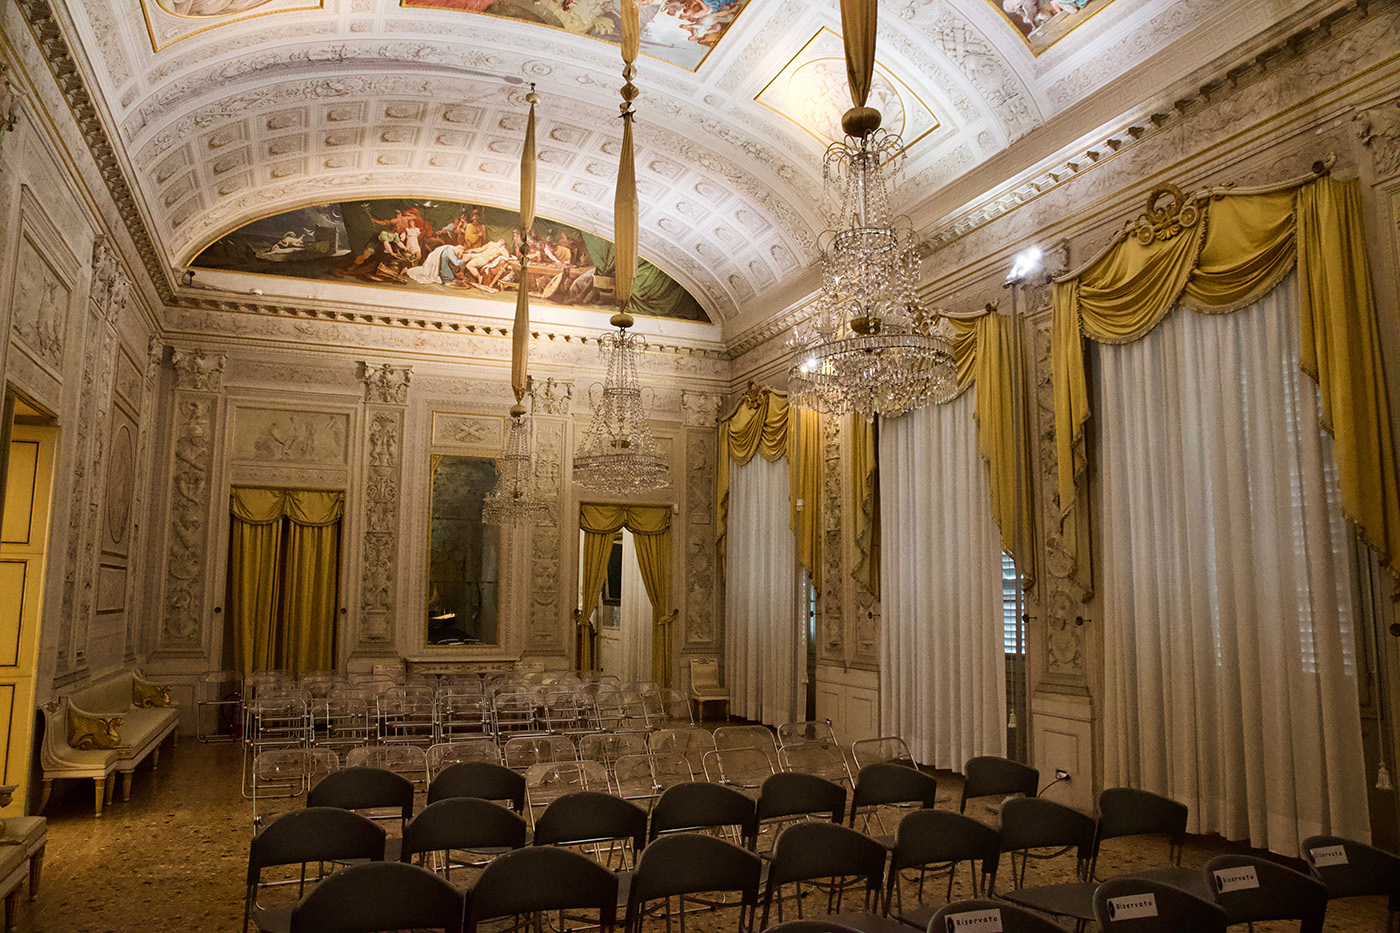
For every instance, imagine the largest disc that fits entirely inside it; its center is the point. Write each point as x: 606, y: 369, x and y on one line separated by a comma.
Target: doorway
x: 24, y: 533
x: 624, y: 615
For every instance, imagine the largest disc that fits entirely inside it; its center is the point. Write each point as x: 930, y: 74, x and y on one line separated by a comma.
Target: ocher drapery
x: 1241, y: 247
x: 651, y: 527
x: 764, y: 423
x: 284, y: 558
x: 987, y: 351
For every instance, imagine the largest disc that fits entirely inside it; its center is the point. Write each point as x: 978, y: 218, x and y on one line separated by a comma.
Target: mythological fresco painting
x: 1042, y: 22
x: 446, y: 247
x: 681, y: 32
x: 169, y: 21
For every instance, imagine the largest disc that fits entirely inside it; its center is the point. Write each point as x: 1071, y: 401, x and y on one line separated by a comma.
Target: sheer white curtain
x: 1230, y: 675
x: 942, y: 658
x: 636, y: 621
x: 762, y: 659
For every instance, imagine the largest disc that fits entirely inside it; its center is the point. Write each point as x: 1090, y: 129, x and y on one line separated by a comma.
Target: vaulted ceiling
x: 225, y: 111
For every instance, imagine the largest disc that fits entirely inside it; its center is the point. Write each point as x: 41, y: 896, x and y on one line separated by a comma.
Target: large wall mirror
x: 464, y: 555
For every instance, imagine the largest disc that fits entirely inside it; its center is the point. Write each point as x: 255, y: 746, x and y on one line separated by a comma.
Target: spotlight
x: 188, y: 278
x: 1025, y: 263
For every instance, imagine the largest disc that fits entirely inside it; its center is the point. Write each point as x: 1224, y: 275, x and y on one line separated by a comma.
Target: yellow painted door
x: 23, y: 536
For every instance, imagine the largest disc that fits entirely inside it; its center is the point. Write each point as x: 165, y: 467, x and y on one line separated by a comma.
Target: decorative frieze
x: 381, y: 545
x: 1378, y: 128
x: 187, y: 554
x: 198, y: 370
x: 387, y: 384
x: 701, y: 409
x: 551, y: 397
x: 546, y: 543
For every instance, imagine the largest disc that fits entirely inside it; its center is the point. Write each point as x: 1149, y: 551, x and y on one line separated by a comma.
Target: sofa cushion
x: 140, y: 726
x: 106, y: 696
x: 29, y: 828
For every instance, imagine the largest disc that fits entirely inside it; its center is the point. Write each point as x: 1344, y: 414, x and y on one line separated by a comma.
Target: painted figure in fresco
x: 1036, y: 13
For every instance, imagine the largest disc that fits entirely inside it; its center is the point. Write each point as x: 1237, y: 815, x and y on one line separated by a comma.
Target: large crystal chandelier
x: 869, y: 345
x: 618, y: 455
x: 516, y: 500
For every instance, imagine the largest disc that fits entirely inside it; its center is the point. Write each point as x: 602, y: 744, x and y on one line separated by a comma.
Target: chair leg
x: 45, y: 792
x: 155, y: 758
x: 126, y: 785
x: 36, y: 868
x: 99, y: 793
x: 111, y: 786
x: 11, y: 905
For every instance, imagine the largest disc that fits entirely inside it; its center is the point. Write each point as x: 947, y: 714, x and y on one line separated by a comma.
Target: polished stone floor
x: 173, y: 857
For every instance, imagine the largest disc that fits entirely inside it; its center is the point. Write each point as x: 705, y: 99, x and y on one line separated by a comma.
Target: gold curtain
x: 1221, y: 253
x: 858, y: 19
x: 520, y: 333
x: 283, y: 583
x: 764, y: 423
x: 625, y: 198
x: 865, y: 491
x: 651, y: 525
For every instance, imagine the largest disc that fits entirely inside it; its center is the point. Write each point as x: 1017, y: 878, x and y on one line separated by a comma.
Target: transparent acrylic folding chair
x: 548, y: 781
x: 744, y: 769
x: 689, y: 742
x: 479, y: 748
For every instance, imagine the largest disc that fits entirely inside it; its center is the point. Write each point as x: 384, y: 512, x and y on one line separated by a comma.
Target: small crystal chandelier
x: 618, y: 455
x: 516, y: 499
x: 869, y: 346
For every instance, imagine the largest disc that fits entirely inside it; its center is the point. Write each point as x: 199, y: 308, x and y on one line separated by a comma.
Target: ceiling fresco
x: 443, y: 247
x: 224, y: 112
x: 682, y: 32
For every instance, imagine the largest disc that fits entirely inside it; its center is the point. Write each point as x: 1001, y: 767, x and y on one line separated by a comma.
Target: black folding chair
x: 887, y: 783
x: 377, y: 897
x: 701, y: 805
x: 592, y: 819
x: 316, y: 834
x: 1142, y: 905
x: 1250, y: 889
x: 480, y: 779
x: 932, y: 841
x: 684, y: 864
x: 819, y: 851
x: 992, y: 776
x: 530, y: 881
x: 466, y: 824
x: 791, y: 795
x: 367, y: 789
x: 1354, y: 869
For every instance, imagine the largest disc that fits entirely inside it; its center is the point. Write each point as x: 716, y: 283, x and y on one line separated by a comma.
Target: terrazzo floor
x: 173, y: 858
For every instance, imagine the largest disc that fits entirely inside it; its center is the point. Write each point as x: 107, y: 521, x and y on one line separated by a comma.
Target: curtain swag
x: 1219, y: 251
x: 765, y: 424
x: 302, y: 506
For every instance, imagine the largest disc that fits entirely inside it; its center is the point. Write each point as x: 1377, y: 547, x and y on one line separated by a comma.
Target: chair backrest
x: 988, y: 775
x: 1251, y: 888
x: 522, y: 751
x: 931, y: 837
x: 759, y: 737
x: 815, y: 850
x: 411, y: 761
x: 1128, y: 811
x: 550, y: 780
x: 1140, y: 905
x: 689, y: 741
x: 1349, y: 868
x: 380, y: 896
x: 887, y: 783
x: 820, y: 758
x: 646, y: 777
x: 479, y: 779
x: 743, y: 768
x: 364, y: 789
x: 791, y: 793
x: 797, y: 733
x: 704, y: 678
x: 1034, y: 822
x: 989, y: 915
x: 691, y: 863
x: 885, y: 748
x: 512, y: 885
x: 608, y: 747
x: 591, y: 816
x: 443, y: 754
x: 462, y: 823
x: 315, y: 834
x: 702, y: 805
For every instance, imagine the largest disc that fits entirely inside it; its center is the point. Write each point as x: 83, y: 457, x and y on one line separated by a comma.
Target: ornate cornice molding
x: 1147, y: 123
x: 48, y: 34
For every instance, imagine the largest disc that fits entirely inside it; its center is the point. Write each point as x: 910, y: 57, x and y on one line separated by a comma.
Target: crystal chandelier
x: 869, y: 345
x: 516, y: 499
x: 618, y: 455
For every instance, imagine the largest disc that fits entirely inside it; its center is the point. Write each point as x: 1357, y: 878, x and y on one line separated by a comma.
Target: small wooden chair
x: 705, y: 686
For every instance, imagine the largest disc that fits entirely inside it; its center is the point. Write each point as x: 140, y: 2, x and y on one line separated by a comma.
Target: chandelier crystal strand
x: 516, y: 499
x: 869, y: 345
x: 618, y: 455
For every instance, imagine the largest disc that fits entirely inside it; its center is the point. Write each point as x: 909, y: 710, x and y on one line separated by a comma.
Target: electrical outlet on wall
x: 1061, y: 774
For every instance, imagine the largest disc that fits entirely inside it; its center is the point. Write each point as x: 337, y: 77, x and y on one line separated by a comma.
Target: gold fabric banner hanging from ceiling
x: 520, y: 335
x: 858, y: 22
x: 625, y: 202
x: 1221, y: 251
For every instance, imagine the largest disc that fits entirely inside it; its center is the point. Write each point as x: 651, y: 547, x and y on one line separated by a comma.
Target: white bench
x: 107, y: 727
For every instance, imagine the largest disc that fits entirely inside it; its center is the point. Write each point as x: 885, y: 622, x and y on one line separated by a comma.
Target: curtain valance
x: 303, y: 506
x: 640, y: 519
x: 1219, y: 251
x: 764, y: 423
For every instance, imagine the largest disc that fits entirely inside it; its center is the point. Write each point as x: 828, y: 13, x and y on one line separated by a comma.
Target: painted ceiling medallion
x: 169, y: 21
x: 1042, y: 23
x: 811, y: 92
x: 681, y: 32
